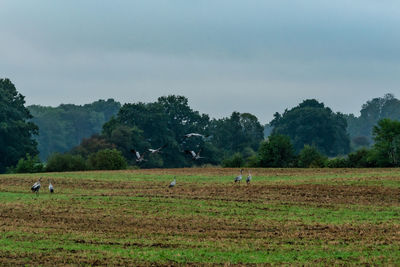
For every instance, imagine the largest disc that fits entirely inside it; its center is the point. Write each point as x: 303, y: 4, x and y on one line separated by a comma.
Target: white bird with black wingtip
x: 194, y: 134
x: 195, y: 156
x: 173, y: 183
x: 36, y: 186
x: 51, y: 188
x: 139, y: 158
x: 158, y: 150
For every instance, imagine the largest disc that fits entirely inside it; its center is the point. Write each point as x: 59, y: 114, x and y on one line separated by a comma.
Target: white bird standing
x: 36, y: 186
x: 173, y: 183
x: 139, y: 158
x: 248, y: 178
x: 51, y: 188
x: 158, y: 150
x: 195, y: 156
x: 239, y: 177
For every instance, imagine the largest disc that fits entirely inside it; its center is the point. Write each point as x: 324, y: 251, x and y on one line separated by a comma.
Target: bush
x: 276, y: 152
x: 107, y: 159
x: 65, y: 162
x: 29, y: 165
x: 253, y: 162
x: 360, y: 159
x: 337, y: 163
x: 310, y: 157
x: 235, y: 161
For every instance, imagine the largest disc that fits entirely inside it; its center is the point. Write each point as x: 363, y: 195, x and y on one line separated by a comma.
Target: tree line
x: 101, y: 135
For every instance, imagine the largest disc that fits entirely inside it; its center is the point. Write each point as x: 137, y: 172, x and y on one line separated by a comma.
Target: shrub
x: 65, y: 162
x: 253, y: 162
x: 107, y: 159
x: 337, y: 163
x: 235, y: 161
x: 360, y: 159
x: 310, y: 157
x: 29, y: 165
x: 276, y: 152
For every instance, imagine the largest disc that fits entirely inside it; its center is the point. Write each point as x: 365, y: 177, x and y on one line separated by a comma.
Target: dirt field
x: 285, y: 216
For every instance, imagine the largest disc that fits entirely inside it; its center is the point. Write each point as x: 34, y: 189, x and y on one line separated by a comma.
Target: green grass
x: 147, y: 223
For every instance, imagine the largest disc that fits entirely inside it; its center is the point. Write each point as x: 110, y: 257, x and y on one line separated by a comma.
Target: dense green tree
x: 361, y: 159
x: 277, y: 151
x: 16, y: 129
x: 92, y: 145
x: 338, y: 162
x: 371, y: 112
x: 151, y: 125
x: 236, y: 161
x: 107, y: 159
x: 236, y: 133
x: 311, y: 123
x: 64, y: 127
x: 65, y: 162
x: 29, y: 165
x: 310, y: 157
x: 387, y: 142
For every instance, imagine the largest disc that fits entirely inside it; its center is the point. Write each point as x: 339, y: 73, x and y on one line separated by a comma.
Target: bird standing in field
x: 51, y: 188
x: 36, y: 186
x: 248, y: 178
x: 239, y: 177
x: 173, y: 183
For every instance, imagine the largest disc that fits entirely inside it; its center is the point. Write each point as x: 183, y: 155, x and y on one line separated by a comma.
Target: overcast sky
x: 224, y: 55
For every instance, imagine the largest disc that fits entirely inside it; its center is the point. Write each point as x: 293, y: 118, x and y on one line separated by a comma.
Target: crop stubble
x: 140, y: 221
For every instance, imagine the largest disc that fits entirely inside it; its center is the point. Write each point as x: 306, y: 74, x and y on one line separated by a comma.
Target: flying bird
x: 51, y: 188
x: 139, y: 158
x: 239, y: 177
x: 158, y: 150
x: 194, y: 134
x: 36, y: 186
x: 194, y: 155
x: 173, y: 183
x: 248, y: 178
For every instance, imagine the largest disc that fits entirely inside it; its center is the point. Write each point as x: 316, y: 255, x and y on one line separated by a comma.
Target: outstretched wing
x: 190, y: 152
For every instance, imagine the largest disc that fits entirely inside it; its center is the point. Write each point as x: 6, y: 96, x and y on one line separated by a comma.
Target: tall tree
x: 16, y: 129
x: 237, y: 132
x: 277, y: 151
x: 64, y: 127
x: 371, y: 112
x: 387, y: 142
x: 151, y: 125
x: 311, y: 123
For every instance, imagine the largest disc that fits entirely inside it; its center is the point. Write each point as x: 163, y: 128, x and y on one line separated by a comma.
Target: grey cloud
x: 258, y: 56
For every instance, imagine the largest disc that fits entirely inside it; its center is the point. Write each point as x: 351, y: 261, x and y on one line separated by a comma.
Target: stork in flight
x: 186, y: 136
x: 158, y: 150
x: 194, y: 134
x: 239, y: 177
x: 36, y: 186
x: 194, y: 155
x: 139, y: 158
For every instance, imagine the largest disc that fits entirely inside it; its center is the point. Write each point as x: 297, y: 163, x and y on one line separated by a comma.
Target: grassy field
x: 286, y: 216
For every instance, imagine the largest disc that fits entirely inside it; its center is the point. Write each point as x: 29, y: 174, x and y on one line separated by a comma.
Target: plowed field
x: 285, y: 216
